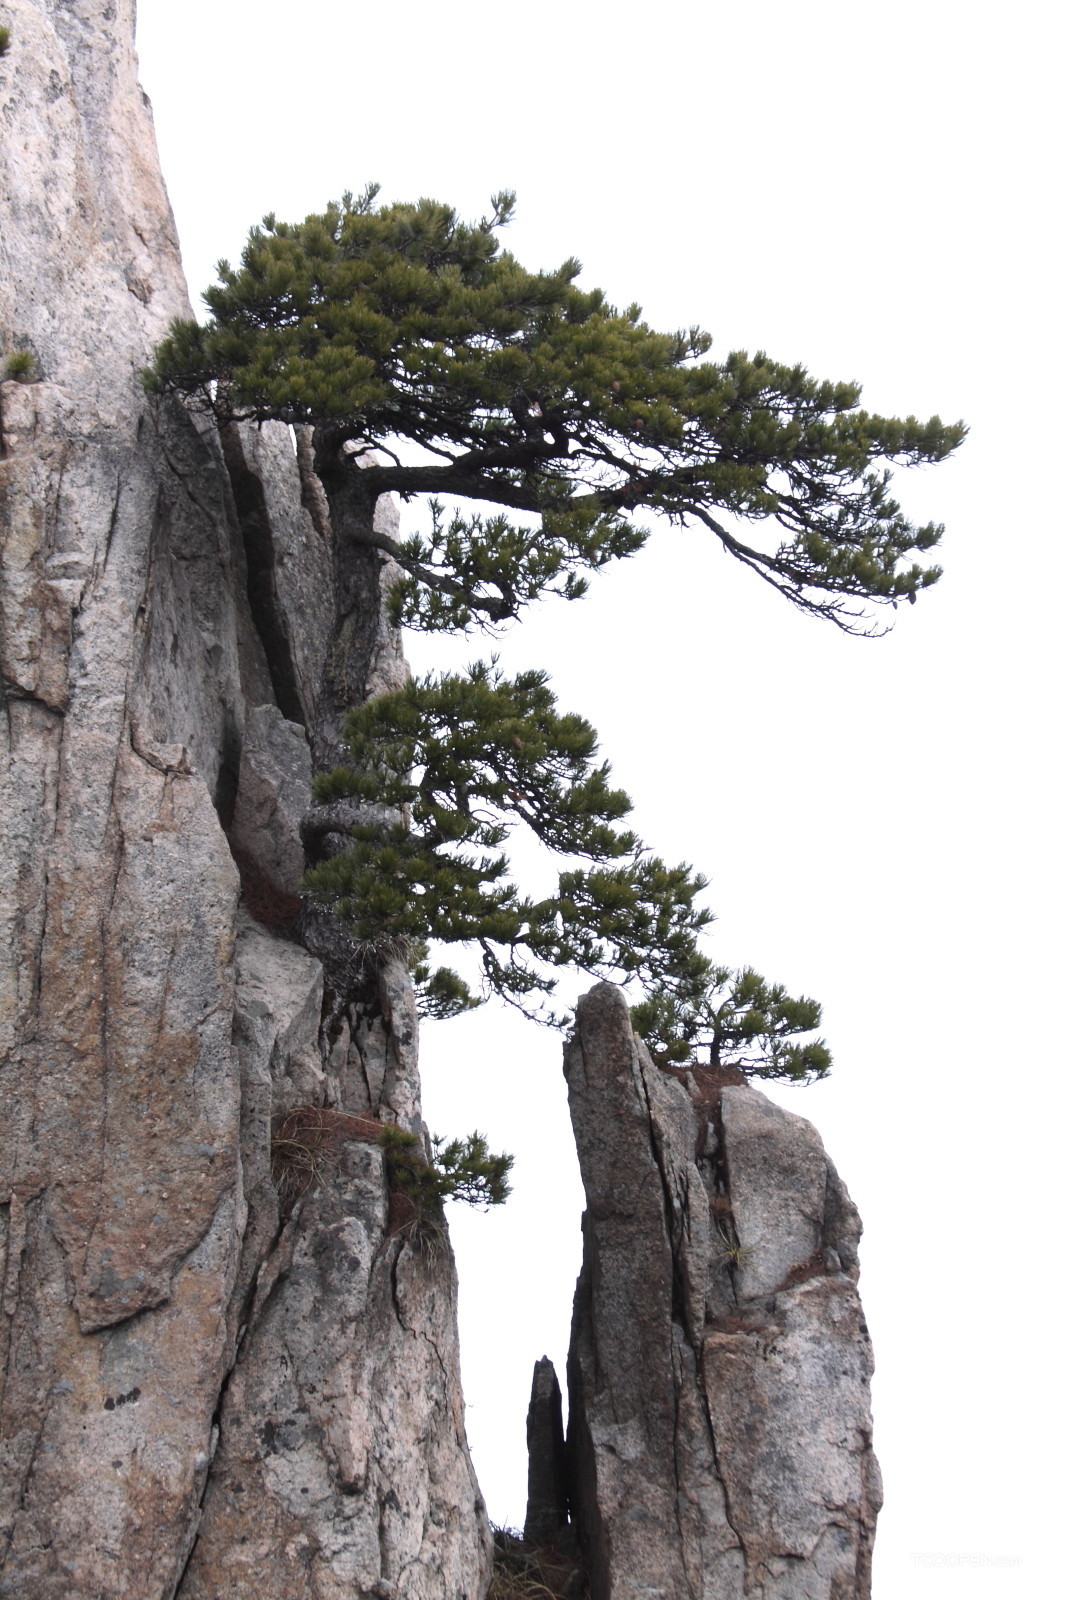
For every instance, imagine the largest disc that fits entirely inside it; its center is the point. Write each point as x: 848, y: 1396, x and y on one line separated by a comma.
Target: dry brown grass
x: 523, y: 1571
x: 307, y: 1140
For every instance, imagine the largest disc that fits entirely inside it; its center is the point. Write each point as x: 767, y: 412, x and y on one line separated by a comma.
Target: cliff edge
x: 203, y: 1392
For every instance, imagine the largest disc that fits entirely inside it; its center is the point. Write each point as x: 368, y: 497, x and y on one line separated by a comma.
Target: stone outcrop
x: 546, y: 1502
x: 341, y: 1468
x: 179, y: 1359
x: 719, y: 1442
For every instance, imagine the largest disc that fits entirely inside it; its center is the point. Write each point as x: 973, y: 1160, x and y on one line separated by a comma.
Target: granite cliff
x: 719, y: 1442
x: 199, y: 1395
x: 211, y: 1385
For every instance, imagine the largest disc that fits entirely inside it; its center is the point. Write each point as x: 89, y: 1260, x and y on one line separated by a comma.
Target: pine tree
x: 741, y: 1020
x: 415, y: 356
x: 429, y: 362
x: 467, y: 759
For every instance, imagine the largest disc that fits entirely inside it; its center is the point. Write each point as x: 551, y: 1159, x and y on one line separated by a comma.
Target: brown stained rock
x: 119, y: 1089
x: 148, y: 1033
x: 719, y: 1441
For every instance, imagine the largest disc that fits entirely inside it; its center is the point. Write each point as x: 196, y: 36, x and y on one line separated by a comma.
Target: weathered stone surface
x: 273, y: 789
x: 151, y: 696
x: 119, y: 1088
x: 777, y: 1173
x: 546, y: 1500
x: 336, y: 1470
x: 277, y: 1008
x: 719, y: 1438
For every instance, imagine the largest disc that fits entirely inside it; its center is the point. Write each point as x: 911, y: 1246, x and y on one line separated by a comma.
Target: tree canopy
x: 422, y: 359
x: 465, y: 760
x: 430, y: 362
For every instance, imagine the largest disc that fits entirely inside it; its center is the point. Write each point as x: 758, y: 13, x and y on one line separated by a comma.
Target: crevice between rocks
x: 256, y: 1298
x: 709, y: 1111
x: 268, y: 615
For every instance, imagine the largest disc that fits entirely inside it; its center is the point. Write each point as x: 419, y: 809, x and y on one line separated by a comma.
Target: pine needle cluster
x: 461, y: 1169
x: 741, y: 1020
x: 468, y: 759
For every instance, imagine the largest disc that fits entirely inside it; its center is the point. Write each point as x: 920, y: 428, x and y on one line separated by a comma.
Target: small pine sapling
x: 741, y: 1020
x: 463, y: 1169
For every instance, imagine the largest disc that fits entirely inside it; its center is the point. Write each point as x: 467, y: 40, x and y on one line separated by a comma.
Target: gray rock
x: 149, y: 1034
x: 546, y: 1501
x: 719, y: 1437
x: 777, y: 1178
x: 336, y: 1472
x: 273, y: 795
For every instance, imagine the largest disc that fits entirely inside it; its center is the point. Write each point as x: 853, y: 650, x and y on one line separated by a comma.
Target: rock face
x: 546, y: 1502
x: 179, y: 1361
x: 341, y: 1467
x: 719, y: 1443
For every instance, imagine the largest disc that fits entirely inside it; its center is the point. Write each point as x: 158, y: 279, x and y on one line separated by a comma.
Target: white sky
x: 876, y: 192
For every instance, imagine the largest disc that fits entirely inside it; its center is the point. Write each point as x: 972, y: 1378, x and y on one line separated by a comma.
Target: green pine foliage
x: 440, y: 992
x: 474, y: 568
x: 431, y: 363
x: 5, y: 40
x: 463, y: 1169
x: 741, y: 1020
x: 470, y: 758
x: 19, y: 366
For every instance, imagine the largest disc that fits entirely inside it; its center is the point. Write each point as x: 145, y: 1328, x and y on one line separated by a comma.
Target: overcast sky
x: 876, y: 192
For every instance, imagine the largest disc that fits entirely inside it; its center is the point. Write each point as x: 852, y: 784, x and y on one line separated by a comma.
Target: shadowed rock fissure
x: 268, y: 613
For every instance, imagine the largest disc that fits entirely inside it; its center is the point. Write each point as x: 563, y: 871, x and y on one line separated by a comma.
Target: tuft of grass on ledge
x: 525, y: 1571
x: 20, y: 364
